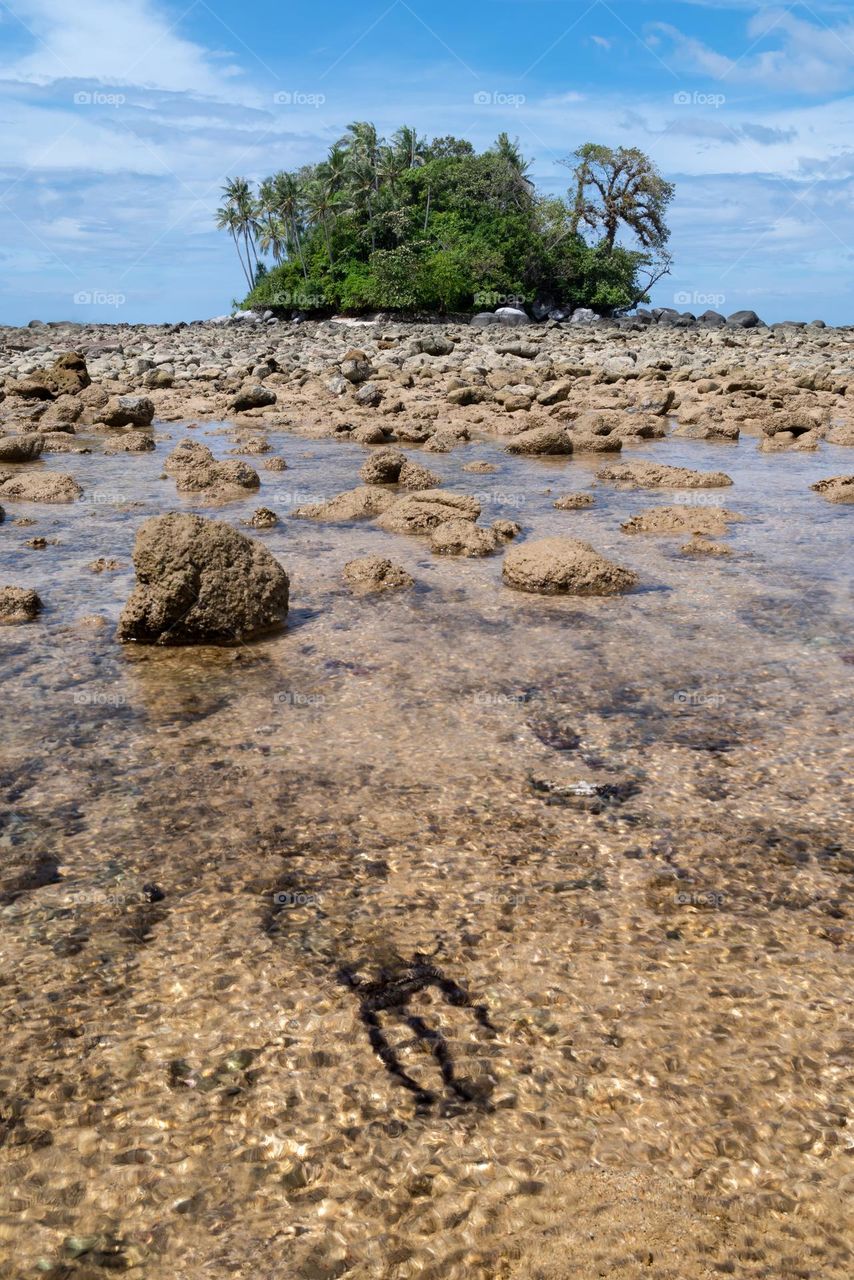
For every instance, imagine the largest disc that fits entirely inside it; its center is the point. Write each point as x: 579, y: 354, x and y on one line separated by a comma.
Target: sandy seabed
x: 450, y: 933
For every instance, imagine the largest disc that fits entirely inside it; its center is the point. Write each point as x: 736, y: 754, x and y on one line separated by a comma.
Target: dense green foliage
x: 417, y: 227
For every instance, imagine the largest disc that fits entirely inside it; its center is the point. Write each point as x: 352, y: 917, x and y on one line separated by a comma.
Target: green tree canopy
x: 410, y: 225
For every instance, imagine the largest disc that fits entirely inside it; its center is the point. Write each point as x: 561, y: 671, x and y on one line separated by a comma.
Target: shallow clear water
x: 661, y: 966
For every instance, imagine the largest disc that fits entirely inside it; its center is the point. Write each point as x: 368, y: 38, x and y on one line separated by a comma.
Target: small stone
x: 18, y: 604
x: 375, y: 573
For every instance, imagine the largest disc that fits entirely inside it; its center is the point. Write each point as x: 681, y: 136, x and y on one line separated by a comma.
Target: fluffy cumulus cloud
x: 122, y: 119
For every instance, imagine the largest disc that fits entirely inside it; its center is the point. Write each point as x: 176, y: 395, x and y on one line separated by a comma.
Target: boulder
x: 483, y: 319
x: 434, y: 344
x: 196, y: 470
x: 133, y: 442
x: 254, y: 397
x: 422, y: 511
x: 67, y: 376
x: 467, y: 395
x: 462, y: 538
x: 541, y: 440
x: 370, y: 433
x: 573, y: 502
x: 356, y: 367
x: 726, y: 432
x: 558, y: 566
x: 201, y: 582
x: 834, y: 488
x: 23, y: 448
x: 713, y: 319
x: 584, y: 442
x: 512, y: 316
x: 376, y: 573
x: 262, y: 518
x: 704, y: 547
x: 128, y: 411
x: 708, y: 521
x: 353, y: 504
x: 368, y: 395
x: 841, y: 434
x: 39, y: 486
x: 583, y: 315
x: 743, y: 320
x: 18, y: 604
x: 555, y: 392
x: 383, y: 467
x: 658, y: 475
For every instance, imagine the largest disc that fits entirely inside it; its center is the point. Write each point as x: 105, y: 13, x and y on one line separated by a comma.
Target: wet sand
x: 457, y: 933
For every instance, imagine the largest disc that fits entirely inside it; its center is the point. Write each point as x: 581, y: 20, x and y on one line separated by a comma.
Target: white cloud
x: 113, y: 42
x: 808, y: 58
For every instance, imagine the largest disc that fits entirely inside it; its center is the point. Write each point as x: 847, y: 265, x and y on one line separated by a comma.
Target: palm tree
x: 514, y: 185
x: 324, y: 199
x: 408, y: 146
x: 238, y: 216
x: 362, y: 146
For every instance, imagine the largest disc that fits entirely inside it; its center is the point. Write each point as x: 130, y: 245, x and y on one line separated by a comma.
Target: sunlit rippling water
x: 452, y: 933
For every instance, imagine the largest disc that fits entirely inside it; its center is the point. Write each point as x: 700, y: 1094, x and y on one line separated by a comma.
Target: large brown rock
x: 422, y: 511
x: 657, y: 475
x: 541, y: 440
x: 128, y: 411
x: 361, y: 503
x: 834, y: 488
x: 196, y: 470
x: 201, y: 582
x: 18, y: 604
x: 23, y: 448
x: 67, y: 376
x: 39, y: 486
x: 711, y: 521
x: 558, y: 566
x: 383, y: 467
x: 462, y: 538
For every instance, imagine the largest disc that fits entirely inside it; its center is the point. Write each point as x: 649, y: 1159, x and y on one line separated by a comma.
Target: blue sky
x: 120, y: 119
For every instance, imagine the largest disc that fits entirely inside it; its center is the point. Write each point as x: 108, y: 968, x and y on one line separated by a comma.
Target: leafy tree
x: 408, y: 225
x: 621, y: 186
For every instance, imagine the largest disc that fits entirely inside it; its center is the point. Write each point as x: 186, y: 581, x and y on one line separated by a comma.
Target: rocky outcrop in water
x: 564, y: 566
x: 201, y: 582
x: 376, y: 573
x: 18, y: 604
